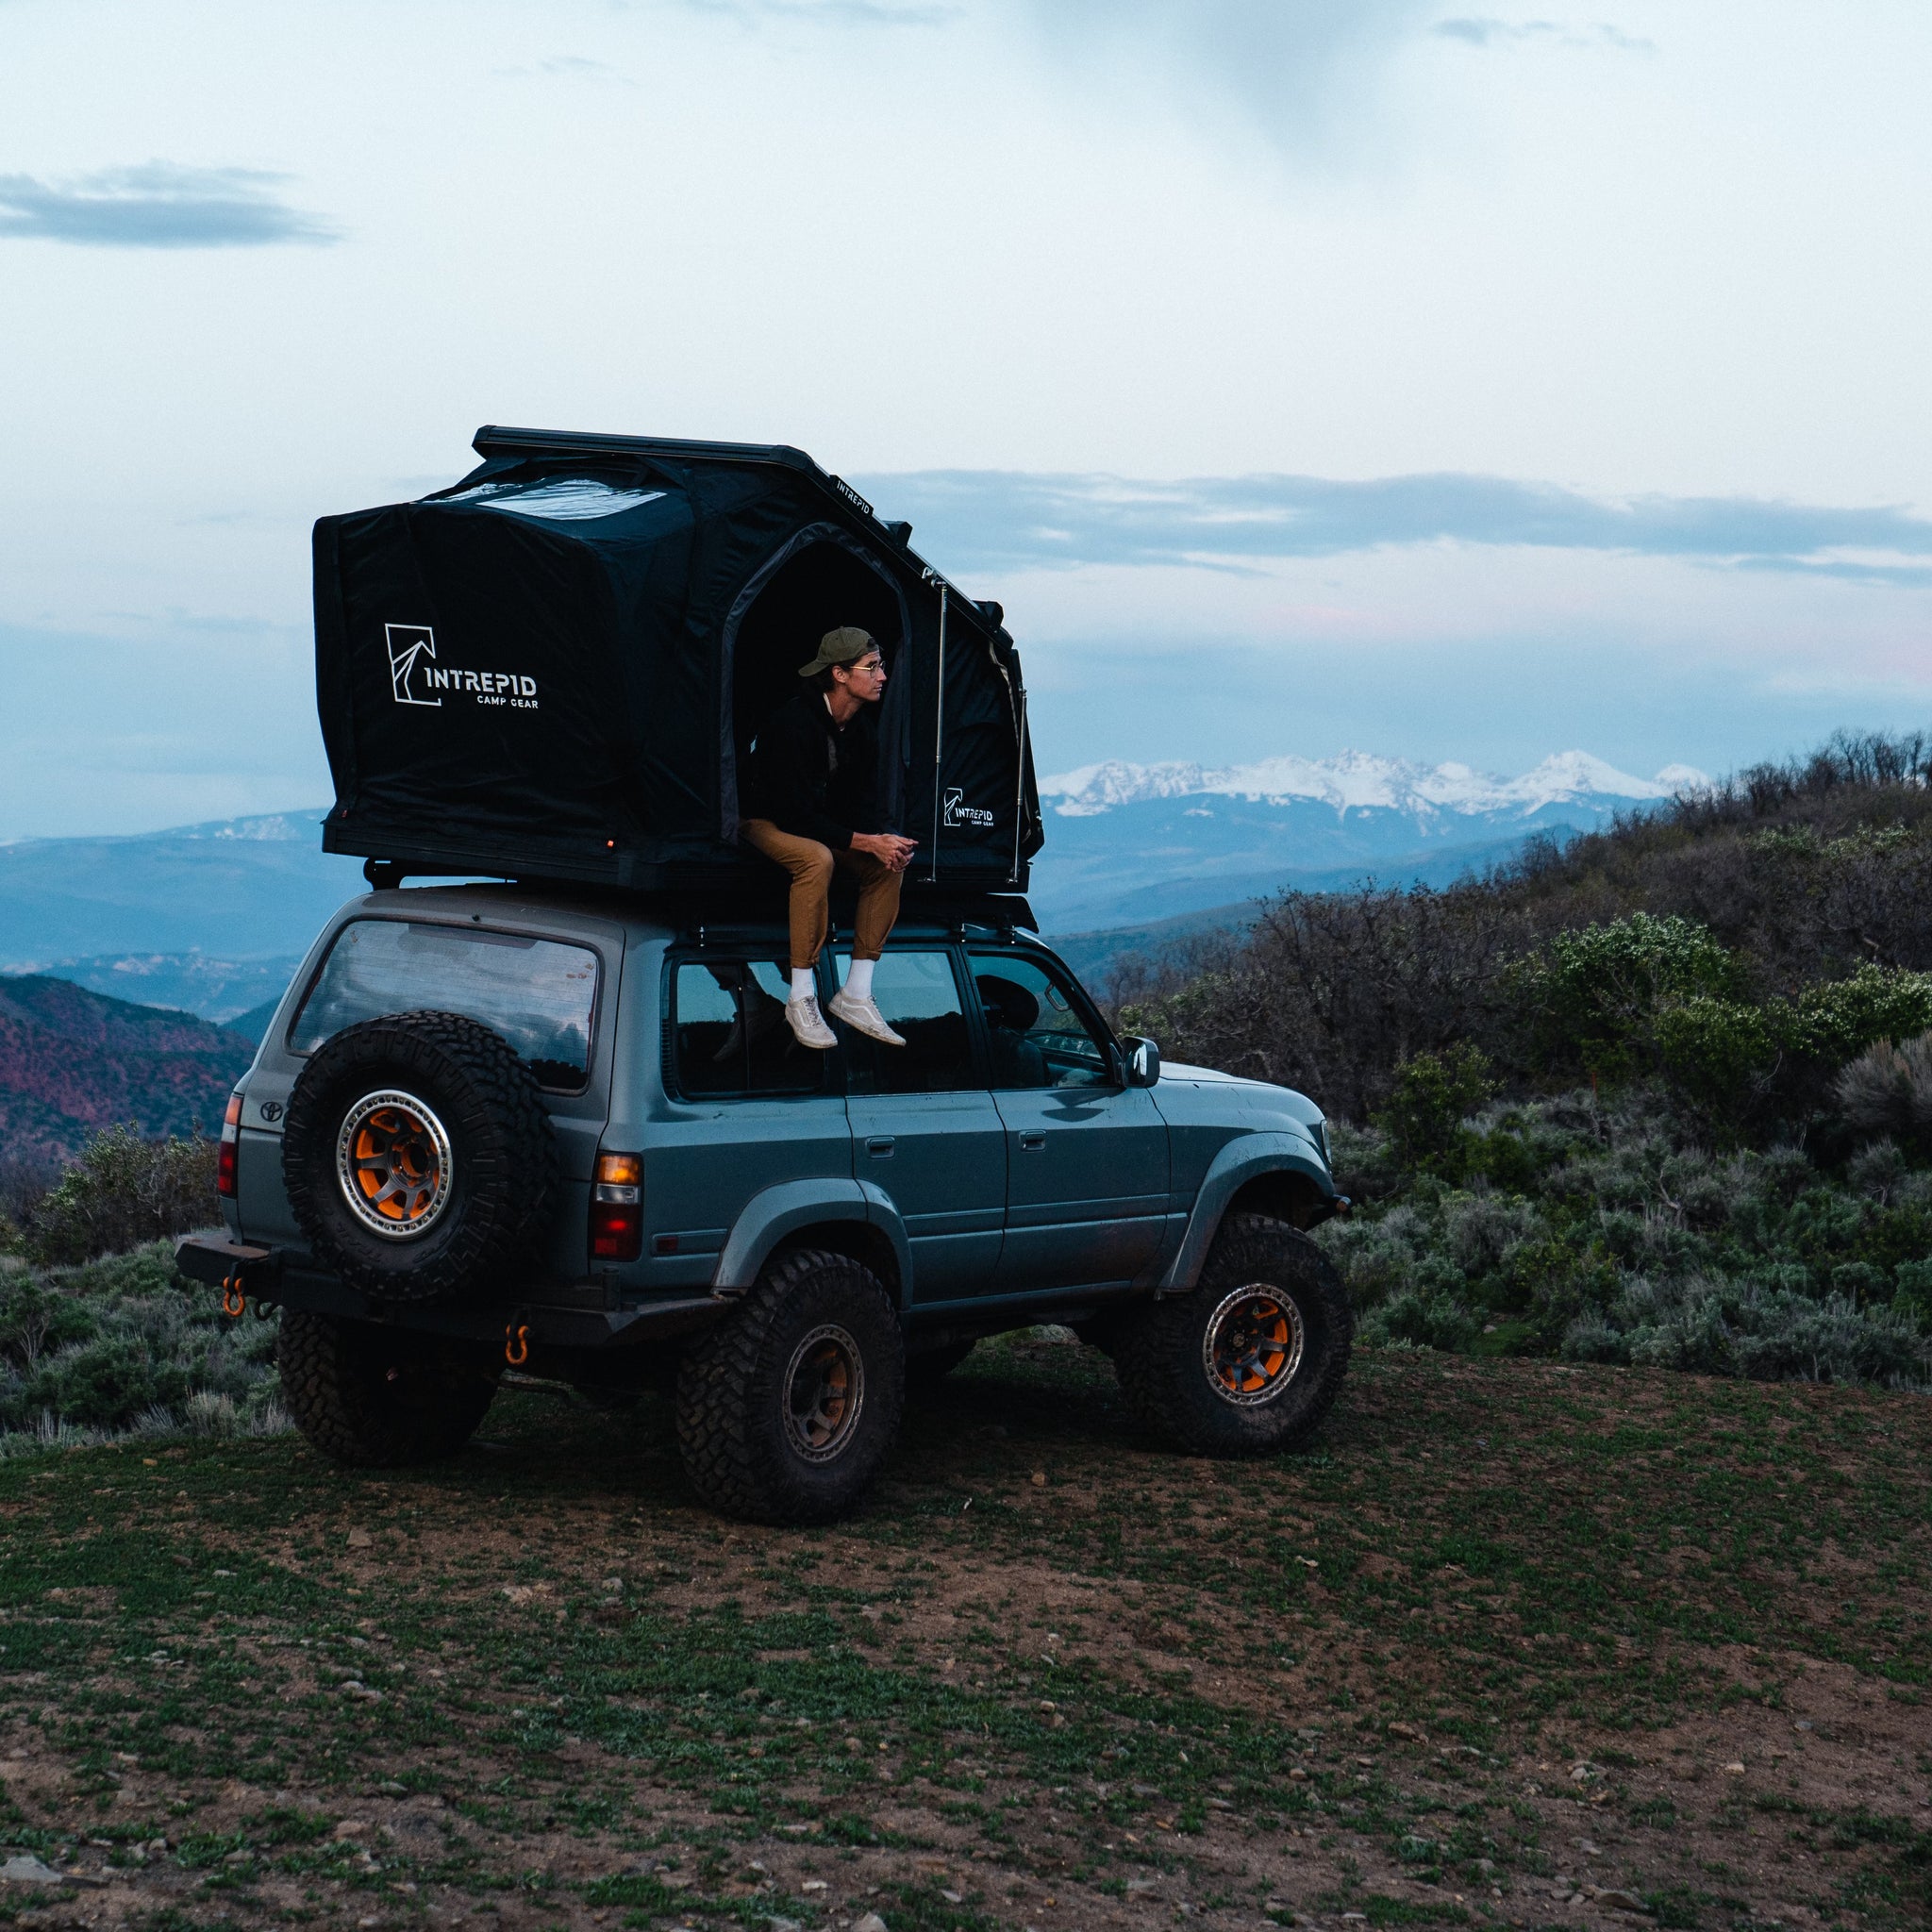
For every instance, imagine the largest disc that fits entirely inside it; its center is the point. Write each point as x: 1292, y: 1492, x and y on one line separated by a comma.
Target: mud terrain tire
x: 373, y: 1397
x: 788, y: 1408
x: 418, y: 1158
x: 1249, y: 1362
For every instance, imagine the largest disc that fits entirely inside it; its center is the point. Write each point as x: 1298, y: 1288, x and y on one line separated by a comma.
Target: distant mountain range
x: 214, y: 918
x: 72, y: 1062
x: 1127, y: 845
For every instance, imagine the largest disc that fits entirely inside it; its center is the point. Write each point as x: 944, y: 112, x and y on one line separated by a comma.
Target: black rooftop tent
x: 553, y: 667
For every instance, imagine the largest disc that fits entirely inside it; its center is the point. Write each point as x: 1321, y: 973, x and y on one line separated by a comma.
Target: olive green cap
x: 845, y: 645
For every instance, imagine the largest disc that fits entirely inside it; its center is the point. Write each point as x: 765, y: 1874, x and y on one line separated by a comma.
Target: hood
x: 1256, y: 1096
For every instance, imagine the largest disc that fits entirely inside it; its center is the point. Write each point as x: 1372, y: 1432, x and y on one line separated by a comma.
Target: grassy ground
x: 1517, y: 1644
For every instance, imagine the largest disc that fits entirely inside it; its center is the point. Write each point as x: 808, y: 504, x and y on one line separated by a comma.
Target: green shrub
x: 1596, y: 995
x: 1434, y: 1093
x: 106, y: 1383
x: 121, y: 1191
x: 123, y: 1345
x: 1838, y: 1017
x: 1715, y: 1051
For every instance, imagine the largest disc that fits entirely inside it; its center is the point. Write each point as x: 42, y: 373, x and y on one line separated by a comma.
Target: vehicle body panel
x: 992, y: 1207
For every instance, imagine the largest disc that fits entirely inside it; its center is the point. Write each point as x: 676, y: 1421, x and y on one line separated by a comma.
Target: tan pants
x: 810, y: 866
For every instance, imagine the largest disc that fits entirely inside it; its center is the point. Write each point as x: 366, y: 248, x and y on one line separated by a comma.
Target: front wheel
x: 1249, y: 1362
x: 787, y: 1410
x: 377, y: 1397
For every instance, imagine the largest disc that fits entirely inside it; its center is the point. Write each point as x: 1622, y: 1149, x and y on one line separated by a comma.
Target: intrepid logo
x: 414, y: 675
x: 409, y: 645
x: 959, y: 813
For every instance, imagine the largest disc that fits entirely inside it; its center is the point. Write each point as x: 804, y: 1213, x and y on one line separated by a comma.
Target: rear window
x: 540, y: 995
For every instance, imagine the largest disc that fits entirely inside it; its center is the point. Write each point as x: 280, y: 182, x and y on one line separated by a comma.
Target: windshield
x: 539, y: 995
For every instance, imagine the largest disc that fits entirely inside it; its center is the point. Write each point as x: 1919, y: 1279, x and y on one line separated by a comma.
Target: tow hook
x: 516, y: 1340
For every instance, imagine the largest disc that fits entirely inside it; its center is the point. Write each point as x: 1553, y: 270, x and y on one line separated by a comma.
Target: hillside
x: 235, y: 890
x: 1662, y: 1094
x: 72, y: 1061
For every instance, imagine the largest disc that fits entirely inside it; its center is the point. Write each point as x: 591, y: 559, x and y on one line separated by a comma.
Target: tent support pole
x: 939, y: 736
x: 1019, y: 793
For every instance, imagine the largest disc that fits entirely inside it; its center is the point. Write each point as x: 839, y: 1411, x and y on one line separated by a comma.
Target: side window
x: 920, y: 999
x: 1036, y: 1034
x: 729, y: 1033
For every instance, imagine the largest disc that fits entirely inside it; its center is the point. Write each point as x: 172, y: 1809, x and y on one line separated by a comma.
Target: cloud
x: 834, y: 12
x: 1004, y: 520
x: 1482, y: 31
x: 1305, y: 72
x: 157, y: 206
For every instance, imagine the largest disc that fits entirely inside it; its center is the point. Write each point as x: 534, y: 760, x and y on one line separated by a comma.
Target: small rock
x: 360, y: 1539
x: 1734, y: 1768
x: 1146, y: 1790
x: 1138, y: 1885
x: 953, y: 1898
x: 813, y: 1884
x: 1219, y: 1805
x: 1804, y: 1724
x: 27, y: 1869
x: 871, y: 1922
x: 1622, y: 1901
x: 360, y: 1691
x: 1296, y: 1775
x: 1039, y: 1483
x: 778, y: 1924
x: 1588, y: 1850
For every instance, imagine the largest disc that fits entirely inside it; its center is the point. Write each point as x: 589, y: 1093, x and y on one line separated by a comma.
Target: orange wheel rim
x: 824, y: 1392
x: 1252, y: 1347
x: 394, y: 1164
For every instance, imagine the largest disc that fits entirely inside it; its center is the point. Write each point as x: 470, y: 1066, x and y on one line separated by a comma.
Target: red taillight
x: 617, y: 1209
x: 228, y: 1154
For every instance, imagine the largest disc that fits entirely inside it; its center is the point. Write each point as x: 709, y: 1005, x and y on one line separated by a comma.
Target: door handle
x: 1032, y: 1144
x: 880, y: 1146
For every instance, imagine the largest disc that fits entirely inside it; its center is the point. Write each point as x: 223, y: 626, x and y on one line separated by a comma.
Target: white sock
x: 858, y: 978
x: 804, y: 983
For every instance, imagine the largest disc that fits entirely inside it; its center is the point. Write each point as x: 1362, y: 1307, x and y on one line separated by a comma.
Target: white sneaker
x: 808, y: 1023
x: 863, y: 1016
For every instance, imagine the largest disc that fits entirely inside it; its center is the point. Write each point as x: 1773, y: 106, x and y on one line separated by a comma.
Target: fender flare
x: 1238, y: 1162
x: 768, y: 1217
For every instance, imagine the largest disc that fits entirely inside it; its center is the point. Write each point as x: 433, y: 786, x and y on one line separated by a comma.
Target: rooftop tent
x: 555, y: 668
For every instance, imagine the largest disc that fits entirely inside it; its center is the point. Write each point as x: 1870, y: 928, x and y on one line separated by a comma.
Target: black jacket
x: 813, y: 779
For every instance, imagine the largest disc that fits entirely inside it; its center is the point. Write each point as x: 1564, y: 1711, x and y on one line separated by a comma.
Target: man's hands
x: 887, y: 847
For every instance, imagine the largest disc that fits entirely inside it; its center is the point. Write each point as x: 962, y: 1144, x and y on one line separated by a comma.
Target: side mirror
x: 1144, y: 1062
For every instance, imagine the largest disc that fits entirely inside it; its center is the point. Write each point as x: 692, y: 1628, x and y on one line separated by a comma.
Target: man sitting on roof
x: 812, y: 807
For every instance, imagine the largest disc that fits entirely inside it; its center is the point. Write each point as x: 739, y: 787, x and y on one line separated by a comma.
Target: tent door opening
x: 818, y: 585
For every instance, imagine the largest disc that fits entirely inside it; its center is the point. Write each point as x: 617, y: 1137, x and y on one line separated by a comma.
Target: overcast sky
x: 1301, y: 375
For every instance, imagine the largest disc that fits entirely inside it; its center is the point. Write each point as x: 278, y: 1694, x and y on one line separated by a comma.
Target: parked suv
x: 572, y: 1132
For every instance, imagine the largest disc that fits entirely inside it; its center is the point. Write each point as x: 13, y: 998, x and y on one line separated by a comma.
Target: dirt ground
x: 1514, y: 1646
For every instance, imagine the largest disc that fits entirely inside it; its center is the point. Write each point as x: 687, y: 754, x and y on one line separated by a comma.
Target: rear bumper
x: 266, y: 1275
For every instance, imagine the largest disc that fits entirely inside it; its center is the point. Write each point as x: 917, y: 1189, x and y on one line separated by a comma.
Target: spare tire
x: 418, y: 1161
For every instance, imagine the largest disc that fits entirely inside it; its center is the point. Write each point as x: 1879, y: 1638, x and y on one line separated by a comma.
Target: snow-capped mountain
x: 1128, y: 844
x: 1359, y: 781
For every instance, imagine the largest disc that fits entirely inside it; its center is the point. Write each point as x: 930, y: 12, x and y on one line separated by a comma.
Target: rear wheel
x: 787, y: 1408
x: 1251, y: 1361
x: 377, y: 1397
